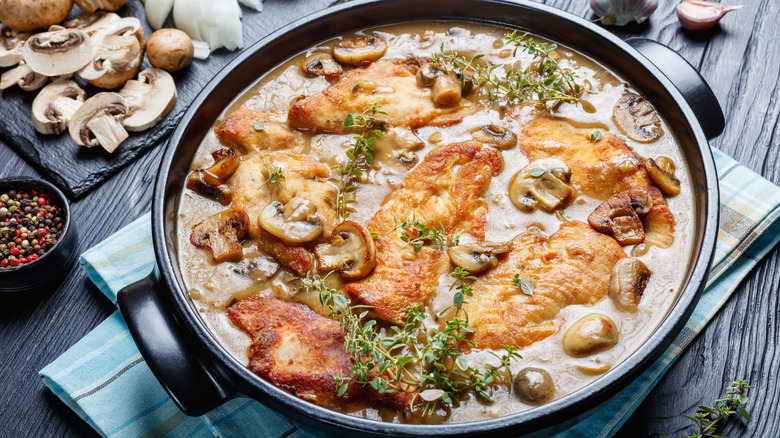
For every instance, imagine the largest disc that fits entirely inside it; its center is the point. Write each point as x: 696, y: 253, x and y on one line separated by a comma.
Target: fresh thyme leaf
x: 708, y: 418
x: 595, y: 136
x: 416, y: 234
x: 259, y: 126
x: 536, y: 172
x: 274, y: 175
x: 352, y: 88
x: 525, y: 285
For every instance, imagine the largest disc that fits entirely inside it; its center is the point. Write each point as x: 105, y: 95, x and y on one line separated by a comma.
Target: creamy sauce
x: 214, y: 287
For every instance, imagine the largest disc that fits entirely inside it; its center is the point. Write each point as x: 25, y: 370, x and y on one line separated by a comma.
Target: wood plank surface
x: 741, y: 61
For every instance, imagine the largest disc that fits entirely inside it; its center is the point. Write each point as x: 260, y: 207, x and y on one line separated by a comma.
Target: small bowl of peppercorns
x: 37, y: 238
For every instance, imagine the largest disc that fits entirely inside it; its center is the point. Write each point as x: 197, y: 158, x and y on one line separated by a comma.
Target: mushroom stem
x: 66, y: 107
x: 108, y: 131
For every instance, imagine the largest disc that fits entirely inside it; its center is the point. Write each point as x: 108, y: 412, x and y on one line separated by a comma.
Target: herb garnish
x: 525, y: 285
x: 259, y: 126
x: 416, y: 233
x: 536, y: 172
x: 274, y: 175
x: 359, y: 155
x: 595, y: 136
x: 707, y: 418
x: 551, y: 84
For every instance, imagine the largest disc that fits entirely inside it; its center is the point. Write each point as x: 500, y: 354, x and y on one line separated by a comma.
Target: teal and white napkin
x: 104, y: 379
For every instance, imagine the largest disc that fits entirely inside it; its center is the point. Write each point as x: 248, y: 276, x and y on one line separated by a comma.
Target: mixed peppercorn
x: 29, y: 226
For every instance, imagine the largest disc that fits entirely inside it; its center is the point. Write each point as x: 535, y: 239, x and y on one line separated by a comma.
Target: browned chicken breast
x: 444, y: 190
x: 302, y: 352
x: 600, y: 169
x: 240, y: 130
x: 572, y: 266
x: 390, y: 83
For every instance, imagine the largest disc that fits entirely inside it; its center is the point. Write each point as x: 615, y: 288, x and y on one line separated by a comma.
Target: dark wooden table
x: 741, y: 61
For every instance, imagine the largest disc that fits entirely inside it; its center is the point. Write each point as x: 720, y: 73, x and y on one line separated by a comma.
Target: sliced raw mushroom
x: 23, y: 76
x: 636, y: 117
x: 149, y: 98
x: 662, y: 172
x: 495, y: 135
x: 477, y: 257
x: 360, y: 50
x: 27, y: 15
x: 59, y: 52
x: 351, y: 251
x: 207, y: 182
x: 55, y: 105
x: 11, y: 44
x: 590, y: 335
x: 99, y: 122
x: 322, y: 64
x: 91, y: 23
x: 295, y: 222
x: 543, y: 183
x: 533, y: 386
x: 222, y: 233
x: 90, y: 6
x: 118, y: 53
x: 628, y: 282
x: 619, y: 216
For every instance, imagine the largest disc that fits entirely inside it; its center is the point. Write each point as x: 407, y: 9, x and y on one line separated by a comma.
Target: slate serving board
x: 77, y: 170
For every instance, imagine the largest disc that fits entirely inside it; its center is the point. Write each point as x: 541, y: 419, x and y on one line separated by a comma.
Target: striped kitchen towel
x: 104, y: 379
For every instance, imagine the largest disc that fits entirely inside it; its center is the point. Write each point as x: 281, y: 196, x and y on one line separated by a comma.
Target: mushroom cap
x: 170, y: 49
x: 98, y: 105
x: 150, y: 98
x: 360, y: 50
x: 54, y: 106
x: 56, y: 53
x: 91, y: 23
x: 321, y: 64
x: 295, y: 222
x: 26, y: 15
x: 661, y: 171
x: 11, y: 45
x: 118, y: 53
x: 477, y: 257
x: 533, y: 386
x: 90, y: 6
x: 637, y: 118
x: 542, y: 183
x: 627, y: 283
x: 351, y: 251
x: 591, y: 334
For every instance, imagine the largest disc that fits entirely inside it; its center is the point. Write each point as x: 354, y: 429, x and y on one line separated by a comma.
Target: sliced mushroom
x: 662, y: 172
x: 477, y: 257
x: 23, y: 76
x: 620, y: 216
x: 91, y: 23
x: 119, y: 50
x: 295, y: 222
x: 533, y: 386
x: 26, y: 15
x: 55, y: 105
x: 495, y: 135
x: 428, y: 73
x: 11, y: 44
x: 207, y: 182
x: 222, y: 234
x: 628, y: 282
x: 446, y: 90
x: 542, y: 183
x: 590, y: 335
x: 636, y: 117
x: 322, y: 64
x: 351, y: 251
x: 99, y: 122
x: 59, y: 52
x: 360, y: 50
x: 90, y: 6
x: 150, y: 98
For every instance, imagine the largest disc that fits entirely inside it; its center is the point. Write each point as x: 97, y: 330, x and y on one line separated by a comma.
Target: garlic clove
x: 701, y: 15
x: 622, y: 12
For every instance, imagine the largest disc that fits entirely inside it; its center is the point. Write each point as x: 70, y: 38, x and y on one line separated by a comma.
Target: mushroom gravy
x: 215, y: 286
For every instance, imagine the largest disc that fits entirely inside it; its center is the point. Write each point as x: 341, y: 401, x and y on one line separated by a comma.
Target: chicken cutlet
x: 255, y: 131
x: 600, y: 169
x: 390, y: 83
x: 572, y: 266
x: 444, y: 190
x: 302, y: 352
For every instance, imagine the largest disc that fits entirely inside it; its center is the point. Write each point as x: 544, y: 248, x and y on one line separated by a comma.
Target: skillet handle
x: 684, y: 76
x: 193, y: 382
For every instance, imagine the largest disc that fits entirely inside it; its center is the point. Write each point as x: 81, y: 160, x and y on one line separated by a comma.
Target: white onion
x: 202, y: 50
x: 253, y: 4
x: 157, y: 12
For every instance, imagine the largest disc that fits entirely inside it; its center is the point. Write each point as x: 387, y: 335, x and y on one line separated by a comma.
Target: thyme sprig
x: 550, y: 85
x: 274, y: 176
x: 708, y: 418
x: 417, y: 234
x: 360, y: 156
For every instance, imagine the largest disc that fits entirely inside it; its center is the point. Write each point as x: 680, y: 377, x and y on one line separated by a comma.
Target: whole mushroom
x: 591, y: 334
x: 533, y: 386
x: 627, y: 283
x: 26, y: 15
x: 170, y: 49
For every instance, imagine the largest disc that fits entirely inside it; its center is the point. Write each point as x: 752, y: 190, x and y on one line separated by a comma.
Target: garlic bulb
x: 622, y: 12
x: 701, y: 15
